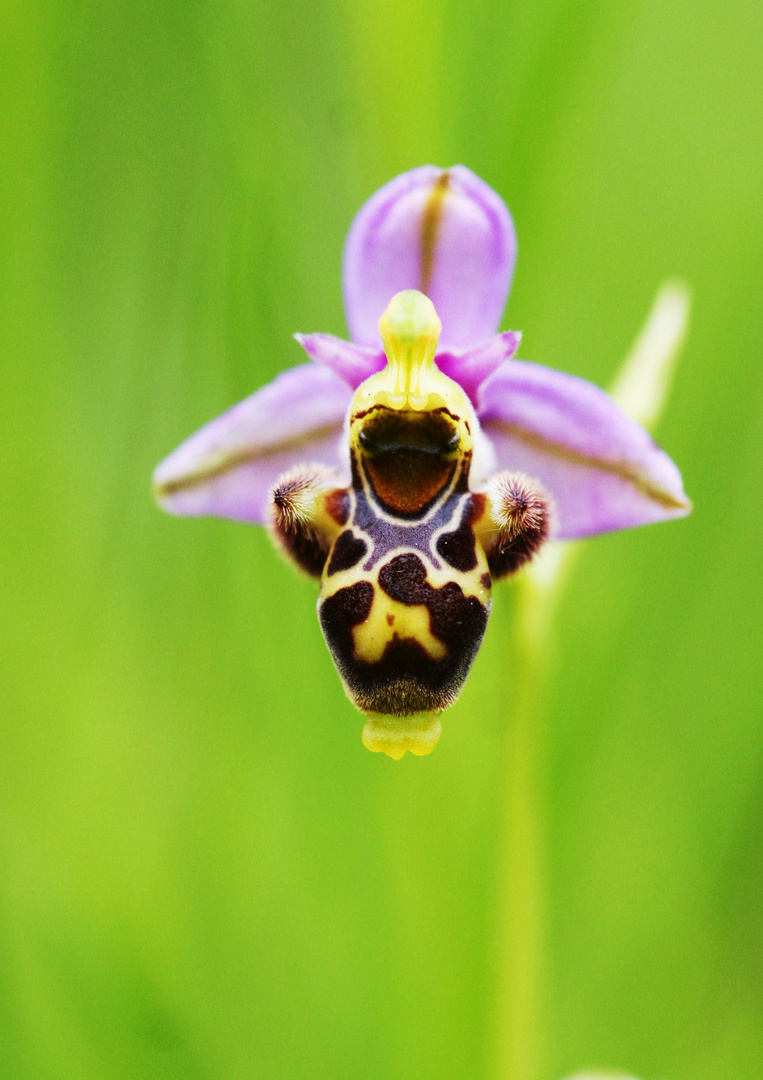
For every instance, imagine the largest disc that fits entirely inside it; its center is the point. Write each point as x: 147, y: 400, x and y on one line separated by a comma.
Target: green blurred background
x: 203, y: 874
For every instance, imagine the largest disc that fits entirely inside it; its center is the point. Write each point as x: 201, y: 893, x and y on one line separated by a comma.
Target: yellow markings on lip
x: 471, y: 583
x: 389, y: 619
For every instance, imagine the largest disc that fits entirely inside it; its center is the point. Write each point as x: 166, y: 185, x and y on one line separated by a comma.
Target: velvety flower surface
x: 448, y: 235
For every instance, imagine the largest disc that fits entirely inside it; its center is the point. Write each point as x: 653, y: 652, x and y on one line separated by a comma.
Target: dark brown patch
x: 348, y: 550
x: 338, y: 506
x: 390, y: 620
x: 404, y: 682
x: 430, y: 227
x: 306, y: 547
x: 407, y: 680
x: 486, y: 581
x: 408, y: 457
x: 463, y: 481
x: 339, y: 613
x: 459, y: 548
x: 479, y: 502
x: 407, y: 482
x: 435, y: 431
x: 451, y: 614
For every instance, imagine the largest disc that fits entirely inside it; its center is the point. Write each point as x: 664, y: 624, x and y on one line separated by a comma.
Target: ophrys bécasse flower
x: 412, y: 467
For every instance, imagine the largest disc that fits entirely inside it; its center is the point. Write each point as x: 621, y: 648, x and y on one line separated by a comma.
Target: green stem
x: 641, y: 389
x: 521, y: 946
x: 522, y: 903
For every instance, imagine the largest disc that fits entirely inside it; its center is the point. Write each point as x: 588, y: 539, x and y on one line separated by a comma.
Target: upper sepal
x: 228, y: 467
x: 443, y: 232
x: 602, y: 469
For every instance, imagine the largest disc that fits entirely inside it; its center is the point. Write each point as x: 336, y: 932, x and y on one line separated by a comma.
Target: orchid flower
x: 411, y: 467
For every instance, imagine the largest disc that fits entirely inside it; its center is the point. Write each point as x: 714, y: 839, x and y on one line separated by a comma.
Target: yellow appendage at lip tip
x: 394, y: 735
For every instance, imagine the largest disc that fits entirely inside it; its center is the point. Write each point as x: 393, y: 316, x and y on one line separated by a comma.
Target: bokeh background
x: 203, y: 874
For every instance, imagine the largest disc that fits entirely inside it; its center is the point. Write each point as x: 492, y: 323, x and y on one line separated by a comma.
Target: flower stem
x: 641, y: 388
x: 522, y: 903
x: 521, y: 947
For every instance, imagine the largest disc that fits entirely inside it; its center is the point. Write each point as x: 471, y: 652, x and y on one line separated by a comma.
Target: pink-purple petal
x: 603, y: 469
x: 471, y: 367
x: 442, y: 231
x: 352, y: 363
x: 228, y: 467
